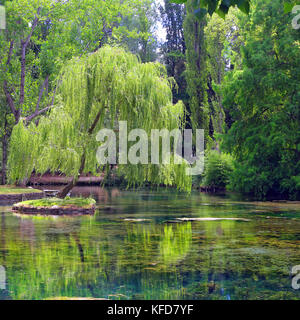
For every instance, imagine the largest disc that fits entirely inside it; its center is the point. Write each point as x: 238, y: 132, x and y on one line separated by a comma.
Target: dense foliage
x: 196, y: 71
x: 263, y: 98
x: 42, y: 35
x: 221, y: 7
x: 96, y: 92
x: 218, y: 168
x: 173, y: 49
x: 236, y: 71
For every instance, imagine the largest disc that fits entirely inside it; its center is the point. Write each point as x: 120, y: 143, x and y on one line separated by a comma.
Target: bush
x: 218, y: 167
x: 267, y: 180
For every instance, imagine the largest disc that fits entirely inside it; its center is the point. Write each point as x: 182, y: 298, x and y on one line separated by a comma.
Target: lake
x: 153, y: 245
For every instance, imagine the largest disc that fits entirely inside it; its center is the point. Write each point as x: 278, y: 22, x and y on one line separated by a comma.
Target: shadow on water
x: 136, y: 247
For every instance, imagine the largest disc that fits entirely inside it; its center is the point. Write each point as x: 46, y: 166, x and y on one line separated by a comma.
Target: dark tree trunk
x: 4, y: 159
x: 64, y: 192
x: 4, y: 153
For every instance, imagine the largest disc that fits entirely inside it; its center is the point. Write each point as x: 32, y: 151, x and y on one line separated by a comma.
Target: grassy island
x: 57, y: 206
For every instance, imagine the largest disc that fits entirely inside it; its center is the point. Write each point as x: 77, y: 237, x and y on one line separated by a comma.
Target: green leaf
x: 224, y: 6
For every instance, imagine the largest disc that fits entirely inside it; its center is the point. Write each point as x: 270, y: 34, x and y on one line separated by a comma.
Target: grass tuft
x: 67, y: 202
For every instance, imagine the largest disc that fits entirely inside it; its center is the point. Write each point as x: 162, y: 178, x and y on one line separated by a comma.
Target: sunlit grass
x: 7, y: 189
x: 67, y: 202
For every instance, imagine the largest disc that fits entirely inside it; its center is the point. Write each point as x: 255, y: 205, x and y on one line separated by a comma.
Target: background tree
x: 263, y: 98
x: 221, y: 7
x: 223, y: 52
x: 173, y: 49
x: 97, y: 91
x: 196, y: 70
x: 40, y: 37
x: 140, y: 29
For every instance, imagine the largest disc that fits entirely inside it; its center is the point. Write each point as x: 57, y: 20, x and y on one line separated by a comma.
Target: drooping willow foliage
x: 110, y: 85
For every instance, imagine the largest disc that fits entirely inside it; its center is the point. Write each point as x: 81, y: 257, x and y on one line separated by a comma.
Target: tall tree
x: 40, y: 37
x: 223, y: 52
x: 173, y: 49
x: 96, y: 91
x: 196, y: 70
x: 263, y: 98
x: 140, y: 29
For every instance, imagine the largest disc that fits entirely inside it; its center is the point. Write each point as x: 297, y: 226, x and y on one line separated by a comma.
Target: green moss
x: 67, y: 202
x: 8, y: 189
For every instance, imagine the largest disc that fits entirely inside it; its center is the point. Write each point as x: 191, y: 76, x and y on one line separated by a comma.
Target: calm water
x: 135, y: 247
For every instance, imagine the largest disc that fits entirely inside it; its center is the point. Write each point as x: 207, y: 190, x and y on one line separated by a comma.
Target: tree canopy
x: 40, y: 36
x: 262, y: 96
x: 236, y: 73
x: 97, y: 91
x: 221, y: 7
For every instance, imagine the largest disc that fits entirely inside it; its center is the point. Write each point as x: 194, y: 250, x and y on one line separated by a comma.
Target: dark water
x: 116, y: 256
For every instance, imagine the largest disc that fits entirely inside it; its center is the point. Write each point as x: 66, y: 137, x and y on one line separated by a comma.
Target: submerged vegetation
x: 104, y: 256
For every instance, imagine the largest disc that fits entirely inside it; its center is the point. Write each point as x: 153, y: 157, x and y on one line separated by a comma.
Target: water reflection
x: 151, y: 255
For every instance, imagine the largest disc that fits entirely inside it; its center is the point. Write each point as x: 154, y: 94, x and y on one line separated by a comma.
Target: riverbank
x: 12, y: 194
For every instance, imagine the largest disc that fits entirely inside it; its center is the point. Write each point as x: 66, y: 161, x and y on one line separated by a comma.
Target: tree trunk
x: 64, y: 192
x: 4, y: 158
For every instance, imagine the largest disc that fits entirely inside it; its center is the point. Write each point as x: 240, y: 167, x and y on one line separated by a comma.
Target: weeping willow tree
x: 97, y: 91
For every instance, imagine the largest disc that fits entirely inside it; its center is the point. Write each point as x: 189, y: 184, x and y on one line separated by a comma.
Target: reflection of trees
x: 3, y: 241
x: 89, y: 256
x: 82, y: 257
x: 176, y: 242
x: 4, y: 294
x: 88, y: 259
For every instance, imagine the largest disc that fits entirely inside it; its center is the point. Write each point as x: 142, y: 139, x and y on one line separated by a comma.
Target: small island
x: 56, y: 206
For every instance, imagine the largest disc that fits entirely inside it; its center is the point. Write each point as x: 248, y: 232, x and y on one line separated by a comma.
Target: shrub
x: 218, y: 167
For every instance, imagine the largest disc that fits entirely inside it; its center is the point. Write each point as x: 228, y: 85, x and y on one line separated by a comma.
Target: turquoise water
x: 142, y: 245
